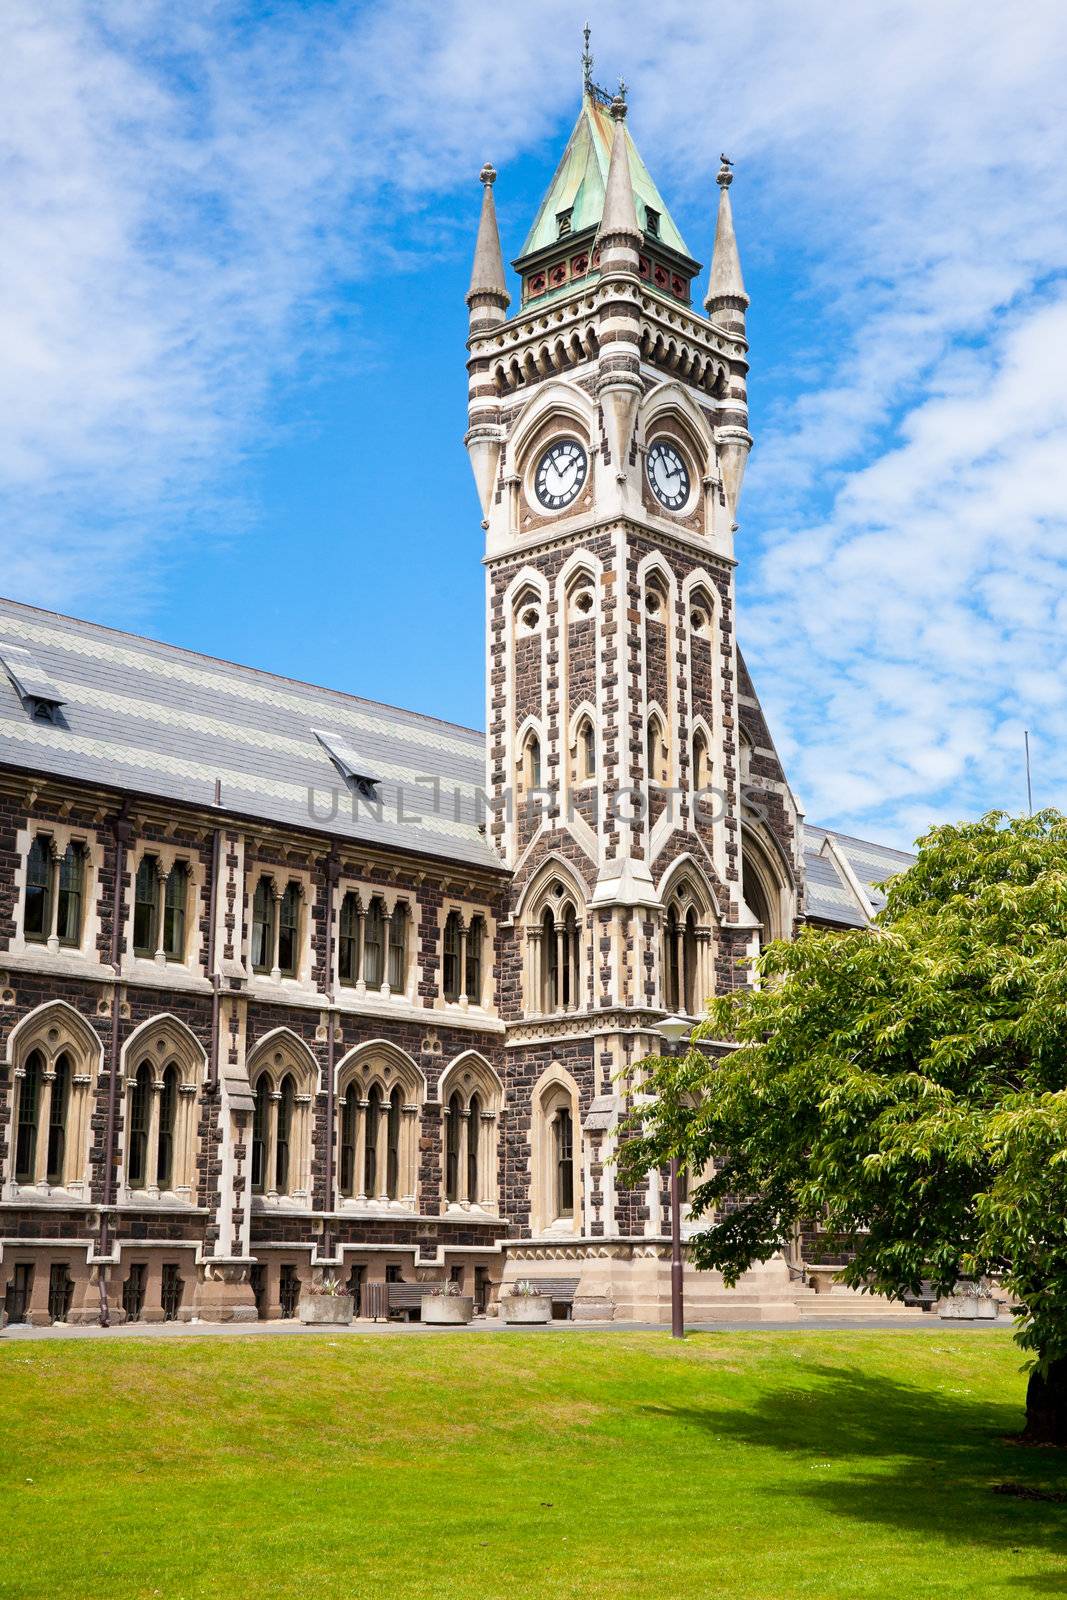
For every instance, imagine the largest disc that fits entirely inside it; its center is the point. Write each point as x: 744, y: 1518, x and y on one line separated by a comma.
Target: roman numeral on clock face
x: 560, y: 474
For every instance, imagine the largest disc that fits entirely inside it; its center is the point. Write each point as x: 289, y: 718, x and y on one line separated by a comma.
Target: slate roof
x: 830, y: 896
x: 163, y: 722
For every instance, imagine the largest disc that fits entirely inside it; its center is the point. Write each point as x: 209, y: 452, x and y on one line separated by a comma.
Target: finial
x: 725, y: 177
x: 618, y: 105
x: 488, y: 174
x: 587, y: 61
x: 622, y: 89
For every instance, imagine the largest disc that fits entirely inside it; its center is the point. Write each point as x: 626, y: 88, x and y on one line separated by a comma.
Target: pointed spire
x: 726, y: 287
x: 619, y: 221
x: 488, y: 297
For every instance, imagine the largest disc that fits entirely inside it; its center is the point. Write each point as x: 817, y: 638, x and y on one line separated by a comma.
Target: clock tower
x: 634, y: 792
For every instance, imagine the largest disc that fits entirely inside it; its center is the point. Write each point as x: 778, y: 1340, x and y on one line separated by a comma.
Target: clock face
x: 560, y: 475
x: 667, y: 475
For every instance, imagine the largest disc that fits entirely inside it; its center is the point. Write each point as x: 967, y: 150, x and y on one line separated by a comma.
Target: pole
x: 677, y: 1268
x: 1029, y: 790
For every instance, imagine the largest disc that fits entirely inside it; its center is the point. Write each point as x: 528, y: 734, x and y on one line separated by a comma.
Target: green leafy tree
x: 906, y: 1085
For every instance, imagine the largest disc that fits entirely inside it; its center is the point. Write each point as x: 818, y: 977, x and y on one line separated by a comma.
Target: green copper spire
x: 580, y: 185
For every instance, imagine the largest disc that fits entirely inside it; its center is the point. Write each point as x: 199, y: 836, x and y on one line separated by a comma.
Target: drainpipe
x: 213, y: 900
x: 333, y: 872
x: 121, y: 830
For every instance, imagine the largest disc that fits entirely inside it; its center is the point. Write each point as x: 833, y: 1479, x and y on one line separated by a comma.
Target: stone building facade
x: 294, y: 985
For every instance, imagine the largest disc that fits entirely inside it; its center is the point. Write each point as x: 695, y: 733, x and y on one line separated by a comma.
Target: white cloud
x: 185, y: 190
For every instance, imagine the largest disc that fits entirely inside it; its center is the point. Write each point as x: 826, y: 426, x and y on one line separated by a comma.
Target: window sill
x: 33, y: 957
x: 46, y: 1194
x: 147, y: 972
x: 161, y: 1200
x: 464, y: 1008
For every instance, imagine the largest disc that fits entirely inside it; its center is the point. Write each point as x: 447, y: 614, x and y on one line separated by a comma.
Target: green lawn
x: 533, y: 1464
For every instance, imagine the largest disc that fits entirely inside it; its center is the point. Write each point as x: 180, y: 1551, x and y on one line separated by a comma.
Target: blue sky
x: 235, y: 246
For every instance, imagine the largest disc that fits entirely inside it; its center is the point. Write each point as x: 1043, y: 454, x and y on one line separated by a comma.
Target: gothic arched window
x: 380, y: 1092
x: 26, y: 1131
x: 471, y: 1093
x: 283, y: 1137
x: 392, y: 1147
x: 560, y: 954
x: 137, y: 1143
x: 56, y: 1056
x: 687, y: 976
x: 701, y: 764
x: 282, y: 1073
x: 655, y: 750
x: 452, y: 1126
x: 474, y: 1118
x: 57, y: 1122
x: 374, y: 1117
x: 555, y: 1194
x: 349, y: 1129
x: 168, y: 1123
x: 585, y: 752
x: 260, y: 1133
x: 563, y: 1160
x: 532, y: 762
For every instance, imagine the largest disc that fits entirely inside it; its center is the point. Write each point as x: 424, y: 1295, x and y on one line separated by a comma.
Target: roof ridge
x: 855, y: 838
x: 237, y: 666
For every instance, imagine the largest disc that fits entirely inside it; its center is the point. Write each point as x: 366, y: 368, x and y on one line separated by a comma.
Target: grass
x: 549, y: 1464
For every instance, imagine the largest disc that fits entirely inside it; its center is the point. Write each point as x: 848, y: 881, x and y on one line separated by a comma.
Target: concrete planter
x: 326, y: 1310
x: 447, y: 1310
x: 966, y: 1308
x: 528, y: 1309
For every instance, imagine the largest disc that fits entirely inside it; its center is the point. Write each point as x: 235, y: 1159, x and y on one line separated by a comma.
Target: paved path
x: 22, y: 1333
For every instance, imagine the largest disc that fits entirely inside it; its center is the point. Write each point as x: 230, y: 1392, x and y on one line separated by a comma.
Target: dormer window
x: 352, y: 767
x: 564, y: 220
x: 652, y: 222
x: 32, y: 684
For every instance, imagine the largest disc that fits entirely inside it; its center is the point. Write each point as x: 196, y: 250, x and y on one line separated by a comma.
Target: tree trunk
x: 1046, y: 1406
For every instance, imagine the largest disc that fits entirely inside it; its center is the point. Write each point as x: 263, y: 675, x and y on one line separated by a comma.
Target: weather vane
x: 588, y: 86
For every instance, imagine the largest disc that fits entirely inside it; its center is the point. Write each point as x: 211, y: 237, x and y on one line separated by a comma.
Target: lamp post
x: 673, y: 1030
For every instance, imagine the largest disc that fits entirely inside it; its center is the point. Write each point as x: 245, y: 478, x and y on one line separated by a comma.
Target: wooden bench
x: 560, y: 1291
x: 384, y: 1300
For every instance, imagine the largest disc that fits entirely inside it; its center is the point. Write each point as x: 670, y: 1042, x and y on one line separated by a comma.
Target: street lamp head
x: 674, y: 1030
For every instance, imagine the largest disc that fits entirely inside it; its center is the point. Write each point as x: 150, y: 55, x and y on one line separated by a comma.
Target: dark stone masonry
x: 368, y: 993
